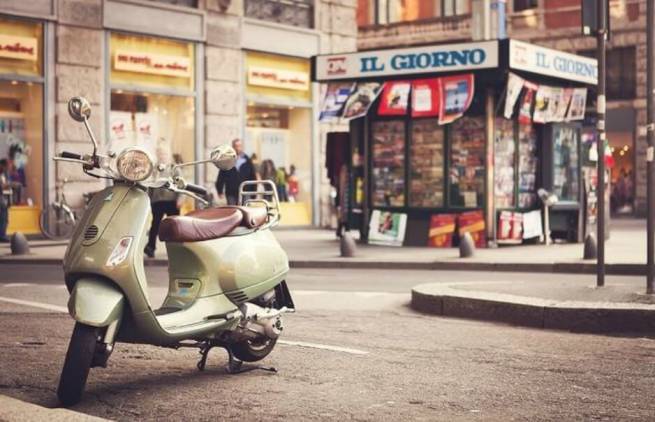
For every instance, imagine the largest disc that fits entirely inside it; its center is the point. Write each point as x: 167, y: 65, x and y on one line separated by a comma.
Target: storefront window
x: 279, y: 129
x: 278, y: 141
x: 152, y: 97
x: 21, y: 119
x: 528, y: 162
x: 565, y: 163
x: 388, y: 182
x: 427, y: 164
x: 504, y: 157
x: 467, y: 168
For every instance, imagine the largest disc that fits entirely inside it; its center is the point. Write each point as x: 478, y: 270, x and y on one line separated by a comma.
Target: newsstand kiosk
x: 461, y: 136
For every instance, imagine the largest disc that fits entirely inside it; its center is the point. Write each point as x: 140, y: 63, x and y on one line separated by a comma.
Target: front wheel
x: 253, y: 350
x: 78, y: 361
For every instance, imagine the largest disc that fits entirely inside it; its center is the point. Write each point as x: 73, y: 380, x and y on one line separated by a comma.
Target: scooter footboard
x: 96, y: 302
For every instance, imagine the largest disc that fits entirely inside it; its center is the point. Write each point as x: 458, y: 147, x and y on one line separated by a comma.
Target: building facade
x: 550, y: 23
x: 179, y: 76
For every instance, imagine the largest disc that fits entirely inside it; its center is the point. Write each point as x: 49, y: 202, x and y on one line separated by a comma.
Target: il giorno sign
x: 432, y: 59
x: 549, y: 62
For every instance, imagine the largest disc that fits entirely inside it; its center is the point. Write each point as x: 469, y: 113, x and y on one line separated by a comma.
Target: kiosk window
x: 427, y: 164
x: 528, y: 162
x: 388, y: 182
x: 504, y: 171
x: 467, y: 136
x: 565, y: 163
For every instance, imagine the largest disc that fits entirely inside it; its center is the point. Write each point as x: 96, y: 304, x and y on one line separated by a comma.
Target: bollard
x: 347, y: 245
x: 466, y: 246
x: 19, y: 245
x: 590, y: 248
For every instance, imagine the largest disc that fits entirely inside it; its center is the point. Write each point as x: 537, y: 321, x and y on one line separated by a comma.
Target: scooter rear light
x: 120, y: 252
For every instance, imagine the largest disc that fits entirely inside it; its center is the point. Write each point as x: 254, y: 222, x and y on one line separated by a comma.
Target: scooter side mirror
x: 224, y: 157
x: 79, y: 109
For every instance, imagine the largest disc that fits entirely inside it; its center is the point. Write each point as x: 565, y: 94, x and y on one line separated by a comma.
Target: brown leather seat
x: 210, y: 223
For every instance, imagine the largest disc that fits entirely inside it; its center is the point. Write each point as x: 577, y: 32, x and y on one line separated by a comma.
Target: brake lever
x: 191, y: 194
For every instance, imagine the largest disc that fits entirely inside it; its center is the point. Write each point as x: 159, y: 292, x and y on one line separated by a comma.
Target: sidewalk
x: 563, y: 304
x: 315, y: 248
x: 14, y: 410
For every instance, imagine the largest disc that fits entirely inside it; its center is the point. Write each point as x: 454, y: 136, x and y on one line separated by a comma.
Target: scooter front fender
x: 96, y: 302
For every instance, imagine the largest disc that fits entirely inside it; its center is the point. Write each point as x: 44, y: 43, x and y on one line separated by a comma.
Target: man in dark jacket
x: 228, y: 182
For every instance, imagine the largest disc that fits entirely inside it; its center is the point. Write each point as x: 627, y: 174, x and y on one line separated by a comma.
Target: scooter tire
x: 79, y: 356
x: 247, y: 352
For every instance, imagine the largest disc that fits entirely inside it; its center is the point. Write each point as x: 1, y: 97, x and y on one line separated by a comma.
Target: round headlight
x: 134, y: 164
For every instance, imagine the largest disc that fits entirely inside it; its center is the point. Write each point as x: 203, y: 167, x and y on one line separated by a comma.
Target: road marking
x: 288, y: 343
x: 363, y: 294
x: 34, y: 304
x: 15, y: 285
x: 323, y: 347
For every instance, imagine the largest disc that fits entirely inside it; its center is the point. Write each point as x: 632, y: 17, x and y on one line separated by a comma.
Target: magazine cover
x: 525, y: 112
x: 334, y: 98
x: 360, y: 100
x: 395, y: 98
x: 514, y: 86
x: 456, y: 94
x: 425, y: 97
x: 578, y: 104
x: 442, y: 228
x: 541, y: 104
x: 387, y: 228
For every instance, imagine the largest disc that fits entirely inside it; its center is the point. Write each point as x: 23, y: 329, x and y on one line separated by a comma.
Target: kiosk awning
x: 449, y: 58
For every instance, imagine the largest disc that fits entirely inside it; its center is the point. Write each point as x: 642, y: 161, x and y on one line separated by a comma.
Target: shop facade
x: 177, y: 79
x: 454, y: 137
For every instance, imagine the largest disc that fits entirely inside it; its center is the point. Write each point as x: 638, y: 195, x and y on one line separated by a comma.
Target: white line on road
x: 34, y: 304
x: 289, y: 343
x: 323, y: 347
x: 15, y: 285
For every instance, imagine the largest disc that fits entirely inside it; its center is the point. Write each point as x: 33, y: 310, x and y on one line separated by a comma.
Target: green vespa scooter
x: 226, y: 269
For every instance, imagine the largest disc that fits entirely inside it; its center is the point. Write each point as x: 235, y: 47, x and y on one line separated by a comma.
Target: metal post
x: 650, y: 121
x: 600, y: 47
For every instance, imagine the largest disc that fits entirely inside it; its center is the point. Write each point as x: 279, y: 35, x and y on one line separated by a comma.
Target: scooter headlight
x: 134, y: 164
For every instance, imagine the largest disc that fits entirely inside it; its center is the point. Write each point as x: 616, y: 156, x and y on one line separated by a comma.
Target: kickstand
x: 235, y: 366
x: 204, y: 351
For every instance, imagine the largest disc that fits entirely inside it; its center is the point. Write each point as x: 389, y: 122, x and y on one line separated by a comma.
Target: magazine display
x: 528, y: 162
x: 565, y: 163
x: 427, y: 164
x: 388, y: 181
x: 467, y: 168
x: 504, y: 154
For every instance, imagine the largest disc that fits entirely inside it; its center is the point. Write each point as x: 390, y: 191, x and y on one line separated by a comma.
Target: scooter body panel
x: 96, y: 302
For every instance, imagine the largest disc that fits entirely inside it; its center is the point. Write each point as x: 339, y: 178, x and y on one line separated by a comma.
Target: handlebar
x: 197, y: 189
x: 71, y: 155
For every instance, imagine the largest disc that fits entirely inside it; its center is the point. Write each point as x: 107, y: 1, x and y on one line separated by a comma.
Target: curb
x: 454, y: 265
x: 583, y: 317
x: 12, y: 409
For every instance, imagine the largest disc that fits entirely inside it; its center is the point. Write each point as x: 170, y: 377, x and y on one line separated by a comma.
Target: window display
x: 528, y: 162
x: 504, y: 156
x: 565, y: 163
x: 427, y: 164
x: 467, y: 167
x: 388, y: 184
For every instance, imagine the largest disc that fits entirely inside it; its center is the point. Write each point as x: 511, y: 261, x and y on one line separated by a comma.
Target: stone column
x: 79, y: 63
x: 338, y: 26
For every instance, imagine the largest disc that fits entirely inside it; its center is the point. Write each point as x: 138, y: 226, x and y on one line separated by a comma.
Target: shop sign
x: 554, y: 63
x: 155, y: 64
x: 20, y: 48
x: 418, y: 60
x: 277, y: 78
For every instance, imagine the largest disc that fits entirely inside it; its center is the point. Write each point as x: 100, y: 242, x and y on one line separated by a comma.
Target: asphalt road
x: 354, y: 351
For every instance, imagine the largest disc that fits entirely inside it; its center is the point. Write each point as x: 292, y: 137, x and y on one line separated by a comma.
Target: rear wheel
x: 253, y: 350
x: 78, y: 361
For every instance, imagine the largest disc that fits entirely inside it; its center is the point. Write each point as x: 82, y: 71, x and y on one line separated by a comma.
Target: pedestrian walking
x: 228, y: 182
x: 5, y: 194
